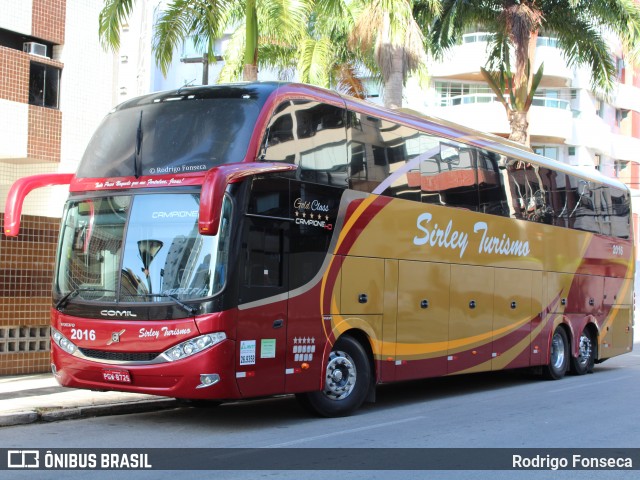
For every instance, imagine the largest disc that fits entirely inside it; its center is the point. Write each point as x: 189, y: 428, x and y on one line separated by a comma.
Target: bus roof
x: 261, y: 91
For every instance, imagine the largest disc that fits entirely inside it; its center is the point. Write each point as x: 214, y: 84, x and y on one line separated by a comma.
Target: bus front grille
x: 119, y: 356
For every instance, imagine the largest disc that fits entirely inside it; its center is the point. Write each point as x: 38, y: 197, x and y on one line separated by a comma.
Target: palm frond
x: 110, y: 20
x: 233, y: 57
x: 315, y: 61
x: 347, y: 79
x: 201, y: 20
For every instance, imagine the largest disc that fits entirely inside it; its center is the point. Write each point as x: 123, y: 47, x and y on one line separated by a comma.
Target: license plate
x: 118, y: 376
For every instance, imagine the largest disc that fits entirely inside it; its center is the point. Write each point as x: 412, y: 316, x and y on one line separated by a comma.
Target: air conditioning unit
x: 35, y: 48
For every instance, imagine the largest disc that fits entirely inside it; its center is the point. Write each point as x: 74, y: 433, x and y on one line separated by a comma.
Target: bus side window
x: 493, y: 198
x: 619, y: 212
x: 603, y: 207
x: 449, y: 177
x: 530, y: 192
x: 278, y: 139
x: 312, y: 135
x: 322, y: 145
x: 586, y: 217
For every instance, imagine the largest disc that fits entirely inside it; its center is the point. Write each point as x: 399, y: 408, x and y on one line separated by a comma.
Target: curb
x: 57, y: 414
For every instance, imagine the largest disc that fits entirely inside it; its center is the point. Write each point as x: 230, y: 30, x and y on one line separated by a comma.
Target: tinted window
x: 531, y: 191
x: 405, y: 163
x: 543, y: 195
x: 264, y: 264
x: 172, y: 137
x: 491, y: 189
x: 376, y: 149
x: 44, y: 85
x: 619, y: 212
x: 311, y: 135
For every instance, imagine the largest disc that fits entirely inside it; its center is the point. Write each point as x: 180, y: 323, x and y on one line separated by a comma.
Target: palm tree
x: 320, y: 56
x: 580, y: 26
x: 208, y: 20
x: 387, y: 31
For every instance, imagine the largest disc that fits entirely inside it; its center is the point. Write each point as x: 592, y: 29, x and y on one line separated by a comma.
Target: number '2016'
x: 78, y: 334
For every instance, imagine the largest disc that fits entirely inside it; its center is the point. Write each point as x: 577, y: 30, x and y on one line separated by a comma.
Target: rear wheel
x: 586, y: 358
x: 559, y: 356
x: 347, y: 380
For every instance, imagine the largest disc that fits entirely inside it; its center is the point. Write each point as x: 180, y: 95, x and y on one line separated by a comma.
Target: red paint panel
x: 172, y: 379
x: 307, y: 341
x: 427, y: 368
x: 259, y: 325
x: 132, y: 336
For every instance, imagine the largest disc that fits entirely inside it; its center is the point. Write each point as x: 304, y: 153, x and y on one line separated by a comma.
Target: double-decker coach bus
x: 245, y: 240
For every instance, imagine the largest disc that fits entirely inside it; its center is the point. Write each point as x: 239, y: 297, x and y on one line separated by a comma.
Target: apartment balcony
x: 590, y: 131
x: 31, y: 123
x: 463, y: 62
x: 556, y: 72
x: 626, y: 97
x: 550, y: 118
x: 624, y: 147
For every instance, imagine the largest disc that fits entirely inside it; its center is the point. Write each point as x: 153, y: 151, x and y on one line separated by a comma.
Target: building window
x: 621, y: 114
x: 44, y: 85
x: 549, y: 152
x: 620, y: 66
x: 600, y: 108
x: 620, y: 166
x: 572, y: 151
x: 458, y: 93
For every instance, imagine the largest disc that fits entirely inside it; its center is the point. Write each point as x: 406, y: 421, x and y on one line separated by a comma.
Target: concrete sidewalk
x: 34, y: 398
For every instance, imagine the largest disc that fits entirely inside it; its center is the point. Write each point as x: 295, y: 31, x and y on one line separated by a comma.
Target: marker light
x: 63, y: 342
x: 193, y: 346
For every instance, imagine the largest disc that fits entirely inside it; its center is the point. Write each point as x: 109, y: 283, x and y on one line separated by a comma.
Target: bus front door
x: 262, y: 312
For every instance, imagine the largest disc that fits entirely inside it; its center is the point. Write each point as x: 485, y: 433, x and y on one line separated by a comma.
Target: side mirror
x: 20, y: 189
x: 215, y: 184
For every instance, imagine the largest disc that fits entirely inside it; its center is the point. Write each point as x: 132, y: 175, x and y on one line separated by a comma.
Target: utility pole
x: 204, y: 60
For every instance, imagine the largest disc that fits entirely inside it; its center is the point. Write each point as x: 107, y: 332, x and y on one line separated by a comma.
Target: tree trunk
x: 250, y: 73
x: 393, y: 85
x: 519, y: 124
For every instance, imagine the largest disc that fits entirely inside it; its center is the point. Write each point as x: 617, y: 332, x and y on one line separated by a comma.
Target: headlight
x: 193, y: 346
x: 62, y: 341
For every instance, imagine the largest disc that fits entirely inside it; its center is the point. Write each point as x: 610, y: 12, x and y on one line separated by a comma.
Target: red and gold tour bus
x: 245, y: 240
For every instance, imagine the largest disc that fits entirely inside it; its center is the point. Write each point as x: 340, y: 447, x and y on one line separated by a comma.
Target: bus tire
x: 347, y: 381
x: 587, y: 349
x: 558, y: 356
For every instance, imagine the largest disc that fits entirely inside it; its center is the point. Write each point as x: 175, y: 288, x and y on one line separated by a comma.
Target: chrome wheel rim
x: 340, y: 377
x: 585, y: 350
x: 557, y: 351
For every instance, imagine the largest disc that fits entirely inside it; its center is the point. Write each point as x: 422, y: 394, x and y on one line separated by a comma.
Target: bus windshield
x: 170, y: 137
x: 141, y: 248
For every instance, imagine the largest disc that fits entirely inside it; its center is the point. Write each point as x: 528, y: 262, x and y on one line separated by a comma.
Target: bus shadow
x: 282, y: 411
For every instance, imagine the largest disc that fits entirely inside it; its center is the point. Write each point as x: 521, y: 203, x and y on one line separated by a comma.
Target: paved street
x: 512, y: 410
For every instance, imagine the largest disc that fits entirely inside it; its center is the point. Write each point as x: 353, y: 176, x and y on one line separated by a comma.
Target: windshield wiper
x: 74, y: 293
x: 187, y: 308
x: 136, y: 156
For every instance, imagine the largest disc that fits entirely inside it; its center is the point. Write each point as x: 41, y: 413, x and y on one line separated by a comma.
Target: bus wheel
x: 586, y: 358
x: 559, y: 357
x: 347, y: 380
